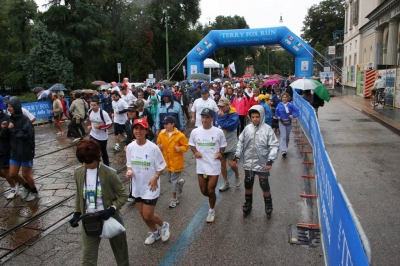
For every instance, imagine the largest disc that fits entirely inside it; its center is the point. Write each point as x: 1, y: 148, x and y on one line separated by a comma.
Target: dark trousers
x: 103, y: 147
x: 186, y: 112
x: 242, y: 124
x: 73, y: 127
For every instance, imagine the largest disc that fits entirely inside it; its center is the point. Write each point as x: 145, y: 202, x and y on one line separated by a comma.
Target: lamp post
x: 166, y: 40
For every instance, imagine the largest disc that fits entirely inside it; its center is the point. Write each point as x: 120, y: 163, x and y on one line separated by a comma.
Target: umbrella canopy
x: 199, y: 76
x: 167, y: 82
x: 37, y: 89
x: 43, y: 94
x: 99, y: 82
x: 247, y: 76
x: 271, y: 82
x: 104, y: 87
x: 57, y: 87
x: 87, y: 91
x: 311, y: 84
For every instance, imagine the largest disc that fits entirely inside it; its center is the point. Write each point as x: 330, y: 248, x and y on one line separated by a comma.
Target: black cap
x: 207, y: 112
x: 132, y: 107
x: 204, y: 91
x: 169, y: 119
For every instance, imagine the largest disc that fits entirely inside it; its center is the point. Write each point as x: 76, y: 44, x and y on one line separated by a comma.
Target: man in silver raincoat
x: 258, y: 147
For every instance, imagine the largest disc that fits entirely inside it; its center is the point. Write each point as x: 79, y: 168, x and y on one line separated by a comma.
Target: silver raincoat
x: 257, y: 145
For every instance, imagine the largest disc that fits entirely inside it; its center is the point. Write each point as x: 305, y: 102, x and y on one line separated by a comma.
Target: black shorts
x: 228, y: 155
x: 58, y: 117
x: 118, y: 129
x: 151, y: 202
x: 4, y: 161
x: 253, y: 173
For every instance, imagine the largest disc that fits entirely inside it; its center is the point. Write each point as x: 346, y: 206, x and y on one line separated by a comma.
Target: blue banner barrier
x: 42, y: 109
x: 342, y: 241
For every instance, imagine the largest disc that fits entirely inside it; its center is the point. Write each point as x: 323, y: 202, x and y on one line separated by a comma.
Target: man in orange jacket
x: 173, y: 145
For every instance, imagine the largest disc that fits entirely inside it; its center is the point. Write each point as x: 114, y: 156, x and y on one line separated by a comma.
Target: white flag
x: 232, y: 67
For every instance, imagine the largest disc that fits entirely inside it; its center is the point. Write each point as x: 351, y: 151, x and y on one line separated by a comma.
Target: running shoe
x: 238, y: 181
x: 210, y: 217
x: 181, y: 182
x: 59, y: 133
x: 13, y: 193
x: 32, y: 196
x: 25, y: 193
x: 152, y: 238
x: 117, y: 148
x: 224, y: 187
x: 284, y: 154
x: 173, y: 203
x: 131, y: 199
x: 164, y: 231
x: 76, y: 140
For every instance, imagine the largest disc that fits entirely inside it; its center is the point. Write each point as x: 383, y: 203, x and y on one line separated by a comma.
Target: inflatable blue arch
x: 302, y: 52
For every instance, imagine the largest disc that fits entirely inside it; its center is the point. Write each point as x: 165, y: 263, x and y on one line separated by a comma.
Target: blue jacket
x: 3, y: 106
x: 229, y: 121
x: 275, y: 100
x: 268, y: 113
x: 174, y: 110
x: 281, y: 112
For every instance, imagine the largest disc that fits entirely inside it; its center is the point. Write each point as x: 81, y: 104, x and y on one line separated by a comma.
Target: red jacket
x: 252, y: 102
x: 240, y: 106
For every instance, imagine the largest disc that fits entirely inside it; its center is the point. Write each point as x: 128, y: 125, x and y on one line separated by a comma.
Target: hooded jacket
x: 4, y: 135
x: 281, y: 111
x: 174, y: 110
x: 22, y: 135
x: 229, y: 123
x: 257, y: 144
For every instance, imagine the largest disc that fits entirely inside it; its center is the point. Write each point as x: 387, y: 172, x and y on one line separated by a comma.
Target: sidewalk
x: 387, y: 116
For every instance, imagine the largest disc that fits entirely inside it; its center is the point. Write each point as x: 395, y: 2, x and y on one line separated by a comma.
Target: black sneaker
x: 284, y: 154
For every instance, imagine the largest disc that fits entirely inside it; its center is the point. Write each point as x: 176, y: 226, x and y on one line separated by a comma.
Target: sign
x: 341, y: 238
x: 42, y: 109
x: 193, y: 69
x: 119, y: 68
x: 150, y: 76
x: 331, y: 50
x: 304, y: 65
x: 184, y: 71
x: 327, y: 69
x: 150, y: 81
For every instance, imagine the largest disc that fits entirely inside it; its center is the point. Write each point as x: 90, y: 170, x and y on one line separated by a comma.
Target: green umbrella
x: 311, y: 84
x: 198, y: 76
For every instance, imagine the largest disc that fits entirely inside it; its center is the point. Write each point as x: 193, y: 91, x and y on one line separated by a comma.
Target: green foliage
x: 321, y: 20
x: 46, y: 65
x: 27, y: 97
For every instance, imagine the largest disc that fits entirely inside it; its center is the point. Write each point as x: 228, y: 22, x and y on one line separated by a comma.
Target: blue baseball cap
x: 169, y: 119
x: 7, y: 97
x: 204, y: 91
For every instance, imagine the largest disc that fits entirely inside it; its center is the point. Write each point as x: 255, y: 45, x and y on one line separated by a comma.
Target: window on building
x: 350, y: 46
x: 346, y: 19
x: 349, y: 60
x: 355, y: 11
x: 351, y: 15
x: 345, y: 61
x: 355, y: 44
x: 355, y: 59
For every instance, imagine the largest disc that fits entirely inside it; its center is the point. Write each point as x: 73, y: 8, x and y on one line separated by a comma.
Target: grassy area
x: 27, y: 97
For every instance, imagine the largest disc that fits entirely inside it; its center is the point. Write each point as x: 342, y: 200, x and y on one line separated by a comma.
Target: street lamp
x: 166, y: 40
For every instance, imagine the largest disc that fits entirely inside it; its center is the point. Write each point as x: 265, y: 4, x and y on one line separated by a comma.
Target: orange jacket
x: 175, y: 160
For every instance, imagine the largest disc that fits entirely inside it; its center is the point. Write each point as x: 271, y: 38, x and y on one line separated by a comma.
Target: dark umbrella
x: 167, y: 82
x: 37, y: 89
x: 199, y: 76
x: 99, y: 82
x: 57, y: 87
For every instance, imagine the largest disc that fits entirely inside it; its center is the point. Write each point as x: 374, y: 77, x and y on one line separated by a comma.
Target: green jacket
x: 114, y: 192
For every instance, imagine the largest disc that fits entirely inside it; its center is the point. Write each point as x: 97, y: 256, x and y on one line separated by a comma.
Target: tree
x: 320, y: 22
x: 46, y: 65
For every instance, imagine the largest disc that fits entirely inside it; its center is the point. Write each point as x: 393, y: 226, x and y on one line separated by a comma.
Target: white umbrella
x: 304, y: 84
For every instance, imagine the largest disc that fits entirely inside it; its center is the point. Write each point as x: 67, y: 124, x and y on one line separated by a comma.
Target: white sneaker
x: 13, y: 193
x: 76, y: 140
x: 210, y: 217
x: 59, y: 133
x: 173, y: 203
x: 152, y: 238
x: 164, y: 231
x: 32, y: 196
x: 238, y: 181
x: 224, y: 187
x: 25, y: 193
x: 117, y: 148
x: 181, y: 182
x: 131, y: 199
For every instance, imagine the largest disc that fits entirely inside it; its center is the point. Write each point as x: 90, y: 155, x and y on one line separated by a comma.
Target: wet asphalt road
x: 232, y: 240
x: 366, y: 158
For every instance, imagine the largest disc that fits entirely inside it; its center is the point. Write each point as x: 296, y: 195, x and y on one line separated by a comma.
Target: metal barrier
x: 344, y: 240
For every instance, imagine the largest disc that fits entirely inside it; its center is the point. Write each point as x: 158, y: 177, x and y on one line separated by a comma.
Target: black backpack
x: 101, y: 116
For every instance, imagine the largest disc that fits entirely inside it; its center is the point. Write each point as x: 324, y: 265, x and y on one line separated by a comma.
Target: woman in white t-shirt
x: 207, y: 144
x: 145, y: 163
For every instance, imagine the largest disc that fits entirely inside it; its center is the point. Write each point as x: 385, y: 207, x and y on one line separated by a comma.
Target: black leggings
x: 103, y: 147
x: 242, y: 125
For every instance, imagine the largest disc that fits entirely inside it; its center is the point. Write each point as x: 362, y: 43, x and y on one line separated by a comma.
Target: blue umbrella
x: 57, y: 87
x: 43, y: 94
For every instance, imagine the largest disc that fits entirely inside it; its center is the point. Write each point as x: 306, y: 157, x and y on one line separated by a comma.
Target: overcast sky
x: 258, y: 13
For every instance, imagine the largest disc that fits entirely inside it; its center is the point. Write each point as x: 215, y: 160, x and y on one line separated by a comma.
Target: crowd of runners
x: 232, y: 124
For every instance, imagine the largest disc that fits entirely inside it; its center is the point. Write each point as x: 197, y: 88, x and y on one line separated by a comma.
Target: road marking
x: 189, y: 235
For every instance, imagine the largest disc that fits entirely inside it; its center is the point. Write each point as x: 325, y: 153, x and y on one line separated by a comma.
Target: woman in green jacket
x: 98, y: 189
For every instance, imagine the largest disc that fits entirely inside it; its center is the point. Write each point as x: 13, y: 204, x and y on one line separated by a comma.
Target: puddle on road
x: 18, y: 238
x: 51, y: 218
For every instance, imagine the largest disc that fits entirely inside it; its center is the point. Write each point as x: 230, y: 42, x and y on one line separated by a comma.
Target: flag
x: 233, y: 68
x: 229, y: 70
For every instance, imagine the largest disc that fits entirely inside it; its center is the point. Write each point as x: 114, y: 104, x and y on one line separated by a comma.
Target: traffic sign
x: 119, y: 68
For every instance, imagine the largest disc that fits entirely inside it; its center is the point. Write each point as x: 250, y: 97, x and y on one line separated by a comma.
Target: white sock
x: 156, y: 233
x: 211, y: 210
